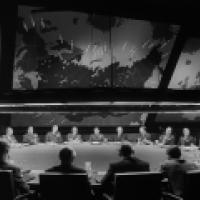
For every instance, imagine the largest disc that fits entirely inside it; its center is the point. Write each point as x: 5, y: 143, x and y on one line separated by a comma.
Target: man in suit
x: 175, y: 168
x: 66, y: 166
x: 30, y: 137
x: 66, y: 157
x: 9, y: 137
x: 74, y: 136
x: 144, y: 138
x: 168, y: 137
x: 54, y: 135
x: 186, y: 139
x: 20, y: 185
x: 97, y: 136
x: 129, y: 163
x: 120, y: 136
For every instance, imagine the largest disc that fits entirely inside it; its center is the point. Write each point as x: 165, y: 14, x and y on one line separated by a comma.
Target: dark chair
x: 190, y: 185
x: 138, y: 186
x: 54, y: 186
x: 7, y: 187
x: 7, y: 191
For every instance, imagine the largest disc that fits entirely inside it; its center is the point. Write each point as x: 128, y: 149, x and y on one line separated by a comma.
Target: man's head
x: 142, y: 130
x: 186, y: 132
x: 96, y: 131
x: 9, y: 131
x: 126, y: 151
x: 168, y: 131
x: 4, y: 151
x: 174, y: 152
x: 67, y: 155
x: 30, y: 129
x: 74, y: 130
x: 55, y: 128
x: 119, y: 130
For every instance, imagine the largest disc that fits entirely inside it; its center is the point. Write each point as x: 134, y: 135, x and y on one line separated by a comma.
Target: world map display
x: 185, y: 77
x: 178, y: 117
x: 79, y: 119
x: 69, y: 49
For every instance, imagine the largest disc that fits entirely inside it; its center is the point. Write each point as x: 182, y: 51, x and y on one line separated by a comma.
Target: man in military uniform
x: 9, y: 137
x: 144, y: 138
x: 97, y: 136
x: 168, y: 137
x: 54, y: 136
x: 120, y: 136
x: 74, y: 136
x: 30, y: 137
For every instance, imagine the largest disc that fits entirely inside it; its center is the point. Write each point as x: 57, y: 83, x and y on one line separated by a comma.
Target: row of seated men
x: 167, y: 138
x: 129, y: 163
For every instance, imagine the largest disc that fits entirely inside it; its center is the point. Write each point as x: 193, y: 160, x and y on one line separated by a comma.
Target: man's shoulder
x: 168, y: 163
x: 72, y: 169
x: 173, y: 163
x: 181, y: 164
x: 130, y: 164
x: 130, y: 161
x: 9, y: 166
x: 140, y: 162
x: 78, y: 170
x: 53, y: 169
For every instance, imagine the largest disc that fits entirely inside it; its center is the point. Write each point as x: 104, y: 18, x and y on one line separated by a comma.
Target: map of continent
x: 68, y: 49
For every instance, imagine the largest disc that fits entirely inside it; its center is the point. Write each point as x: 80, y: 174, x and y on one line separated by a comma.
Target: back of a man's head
x: 67, y: 155
x: 4, y: 148
x: 126, y: 150
x: 174, y: 152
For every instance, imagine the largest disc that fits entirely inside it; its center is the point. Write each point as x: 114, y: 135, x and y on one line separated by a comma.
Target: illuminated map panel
x: 187, y: 72
x: 67, y: 49
x: 79, y: 119
x: 140, y: 52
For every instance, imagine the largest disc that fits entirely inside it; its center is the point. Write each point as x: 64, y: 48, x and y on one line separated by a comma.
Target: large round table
x: 44, y: 156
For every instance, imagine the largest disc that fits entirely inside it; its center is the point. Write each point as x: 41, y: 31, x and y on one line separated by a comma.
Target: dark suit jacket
x: 126, y: 165
x: 20, y: 185
x: 175, y: 170
x: 167, y: 141
x: 66, y: 169
x: 50, y: 137
x: 31, y: 138
x: 187, y: 141
x: 122, y: 138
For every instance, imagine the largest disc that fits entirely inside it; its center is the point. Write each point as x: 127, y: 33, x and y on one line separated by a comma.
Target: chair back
x: 7, y: 191
x: 54, y: 186
x: 191, y: 185
x: 137, y: 186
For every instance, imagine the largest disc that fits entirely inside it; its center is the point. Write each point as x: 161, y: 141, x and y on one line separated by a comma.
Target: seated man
x: 20, y: 186
x: 74, y: 136
x: 66, y: 156
x: 97, y: 136
x: 54, y: 136
x: 66, y: 166
x: 167, y: 138
x: 129, y: 163
x: 30, y: 137
x: 186, y: 139
x: 144, y: 138
x: 120, y: 136
x: 175, y: 168
x: 9, y: 137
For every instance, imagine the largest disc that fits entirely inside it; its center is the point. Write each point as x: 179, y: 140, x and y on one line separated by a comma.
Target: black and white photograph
x: 99, y: 100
